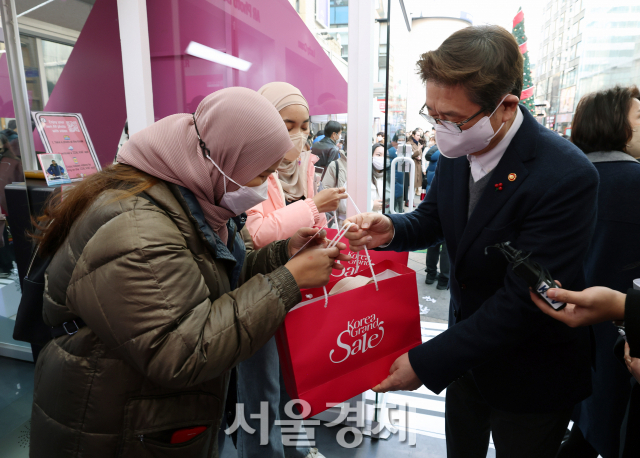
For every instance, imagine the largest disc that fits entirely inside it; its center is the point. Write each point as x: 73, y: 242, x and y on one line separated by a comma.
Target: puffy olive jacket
x: 163, y: 330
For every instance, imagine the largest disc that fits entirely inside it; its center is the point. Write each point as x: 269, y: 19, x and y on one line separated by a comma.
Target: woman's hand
x: 303, y: 235
x: 312, y: 267
x: 328, y: 199
x: 372, y: 230
x: 591, y: 306
x: 377, y: 205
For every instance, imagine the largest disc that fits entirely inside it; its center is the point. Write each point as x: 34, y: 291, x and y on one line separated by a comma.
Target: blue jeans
x: 258, y: 381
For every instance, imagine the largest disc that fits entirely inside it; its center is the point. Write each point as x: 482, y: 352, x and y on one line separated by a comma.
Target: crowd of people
x: 177, y: 320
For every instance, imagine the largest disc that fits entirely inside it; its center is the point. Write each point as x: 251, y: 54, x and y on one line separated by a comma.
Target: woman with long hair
x: 150, y: 294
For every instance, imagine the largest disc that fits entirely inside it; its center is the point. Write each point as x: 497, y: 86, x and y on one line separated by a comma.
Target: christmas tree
x: 527, y: 88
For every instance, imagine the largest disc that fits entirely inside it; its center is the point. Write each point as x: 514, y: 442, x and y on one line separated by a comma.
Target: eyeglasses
x: 449, y: 125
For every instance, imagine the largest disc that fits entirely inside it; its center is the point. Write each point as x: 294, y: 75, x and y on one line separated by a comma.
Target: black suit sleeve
x: 632, y: 321
x: 420, y: 228
x: 556, y: 231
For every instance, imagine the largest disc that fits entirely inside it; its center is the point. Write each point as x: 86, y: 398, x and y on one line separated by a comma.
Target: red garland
x: 518, y: 18
x: 523, y: 47
x: 527, y: 93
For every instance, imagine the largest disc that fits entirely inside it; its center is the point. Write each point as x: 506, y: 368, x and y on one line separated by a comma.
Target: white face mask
x: 475, y: 138
x: 633, y: 147
x: 378, y: 163
x: 243, y: 199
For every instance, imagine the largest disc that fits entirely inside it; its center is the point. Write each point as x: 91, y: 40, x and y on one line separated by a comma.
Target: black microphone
x: 536, y: 276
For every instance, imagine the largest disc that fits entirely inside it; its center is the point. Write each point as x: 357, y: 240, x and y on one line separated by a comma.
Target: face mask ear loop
x: 366, y: 252
x: 207, y: 153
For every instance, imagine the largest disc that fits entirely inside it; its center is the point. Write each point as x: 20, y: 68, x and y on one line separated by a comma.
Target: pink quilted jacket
x: 273, y: 220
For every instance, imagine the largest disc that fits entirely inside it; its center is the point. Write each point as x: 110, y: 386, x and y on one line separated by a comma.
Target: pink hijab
x: 244, y: 133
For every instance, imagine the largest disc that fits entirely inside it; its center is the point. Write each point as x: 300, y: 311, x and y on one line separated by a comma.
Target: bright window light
x: 219, y: 57
x: 34, y: 8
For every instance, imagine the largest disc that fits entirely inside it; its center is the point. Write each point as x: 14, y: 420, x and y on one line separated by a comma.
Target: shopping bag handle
x: 335, y: 241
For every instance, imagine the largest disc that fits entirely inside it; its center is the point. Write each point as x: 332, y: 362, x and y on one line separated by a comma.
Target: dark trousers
x: 469, y: 421
x: 435, y: 253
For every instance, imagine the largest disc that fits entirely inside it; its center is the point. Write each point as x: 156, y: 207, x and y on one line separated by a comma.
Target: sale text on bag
x: 360, y: 330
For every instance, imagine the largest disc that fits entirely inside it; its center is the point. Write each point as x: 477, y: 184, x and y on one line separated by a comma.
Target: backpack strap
x: 68, y: 328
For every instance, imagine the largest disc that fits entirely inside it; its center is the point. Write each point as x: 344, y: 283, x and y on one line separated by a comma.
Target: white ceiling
x: 71, y: 14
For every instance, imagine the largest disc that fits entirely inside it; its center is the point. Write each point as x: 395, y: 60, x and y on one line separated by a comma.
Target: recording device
x: 536, y: 276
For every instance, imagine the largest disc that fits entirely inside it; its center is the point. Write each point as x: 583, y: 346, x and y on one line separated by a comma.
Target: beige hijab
x: 292, y: 175
x: 169, y: 149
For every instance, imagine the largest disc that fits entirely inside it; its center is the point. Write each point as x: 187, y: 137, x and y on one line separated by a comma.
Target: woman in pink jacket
x: 292, y: 201
x: 290, y: 205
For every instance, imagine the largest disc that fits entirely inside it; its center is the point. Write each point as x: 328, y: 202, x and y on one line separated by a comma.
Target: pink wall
x: 267, y: 33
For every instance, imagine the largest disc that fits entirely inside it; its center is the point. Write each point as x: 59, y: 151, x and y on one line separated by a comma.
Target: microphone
x: 537, y: 277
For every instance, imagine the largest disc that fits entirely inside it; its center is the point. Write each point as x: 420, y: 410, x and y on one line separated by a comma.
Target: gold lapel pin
x: 512, y: 177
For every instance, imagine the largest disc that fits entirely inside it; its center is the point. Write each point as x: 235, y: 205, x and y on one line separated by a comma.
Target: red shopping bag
x: 330, y: 354
x: 358, y: 264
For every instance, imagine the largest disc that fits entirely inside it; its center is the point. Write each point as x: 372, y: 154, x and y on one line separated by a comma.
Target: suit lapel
x: 460, y: 184
x: 520, y: 150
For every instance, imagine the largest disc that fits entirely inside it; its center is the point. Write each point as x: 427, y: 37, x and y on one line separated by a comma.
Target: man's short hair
x: 484, y: 60
x: 331, y: 128
x: 601, y: 121
x: 320, y: 132
x: 11, y: 124
x: 381, y: 134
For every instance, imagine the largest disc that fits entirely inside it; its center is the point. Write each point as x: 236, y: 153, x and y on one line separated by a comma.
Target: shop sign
x: 65, y: 136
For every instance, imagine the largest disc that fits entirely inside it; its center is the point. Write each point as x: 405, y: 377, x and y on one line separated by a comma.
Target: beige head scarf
x: 292, y: 175
x: 169, y: 149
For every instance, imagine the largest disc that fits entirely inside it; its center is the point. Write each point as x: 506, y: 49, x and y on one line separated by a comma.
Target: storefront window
x: 54, y: 57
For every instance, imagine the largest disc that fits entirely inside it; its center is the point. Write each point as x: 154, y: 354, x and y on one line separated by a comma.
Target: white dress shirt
x: 483, y: 164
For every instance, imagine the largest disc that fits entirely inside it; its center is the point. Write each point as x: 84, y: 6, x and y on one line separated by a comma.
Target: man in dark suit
x: 327, y: 148
x: 508, y: 368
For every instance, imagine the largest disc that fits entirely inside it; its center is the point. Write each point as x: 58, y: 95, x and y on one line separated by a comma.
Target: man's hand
x: 591, y: 306
x: 401, y: 377
x: 633, y: 364
x: 372, y: 229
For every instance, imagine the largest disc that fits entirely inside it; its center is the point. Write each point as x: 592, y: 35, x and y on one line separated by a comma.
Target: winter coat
x: 327, y: 151
x: 155, y: 287
x: 330, y: 181
x: 431, y: 169
x: 274, y: 220
x: 417, y: 160
x: 612, y: 261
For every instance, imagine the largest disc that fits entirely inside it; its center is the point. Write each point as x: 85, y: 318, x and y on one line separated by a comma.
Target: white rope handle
x: 308, y: 241
x: 366, y: 252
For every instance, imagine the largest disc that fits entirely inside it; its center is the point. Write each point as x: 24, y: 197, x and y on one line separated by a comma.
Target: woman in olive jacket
x: 150, y: 291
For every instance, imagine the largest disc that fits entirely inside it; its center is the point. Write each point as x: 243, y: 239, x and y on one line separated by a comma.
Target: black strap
x: 67, y: 328
x: 337, y: 174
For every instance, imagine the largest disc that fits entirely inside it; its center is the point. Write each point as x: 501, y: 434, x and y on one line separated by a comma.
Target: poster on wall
x: 66, y: 135
x: 55, y: 172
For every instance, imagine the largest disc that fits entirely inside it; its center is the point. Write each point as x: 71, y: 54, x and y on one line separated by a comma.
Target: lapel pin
x: 498, y: 186
x: 512, y: 177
